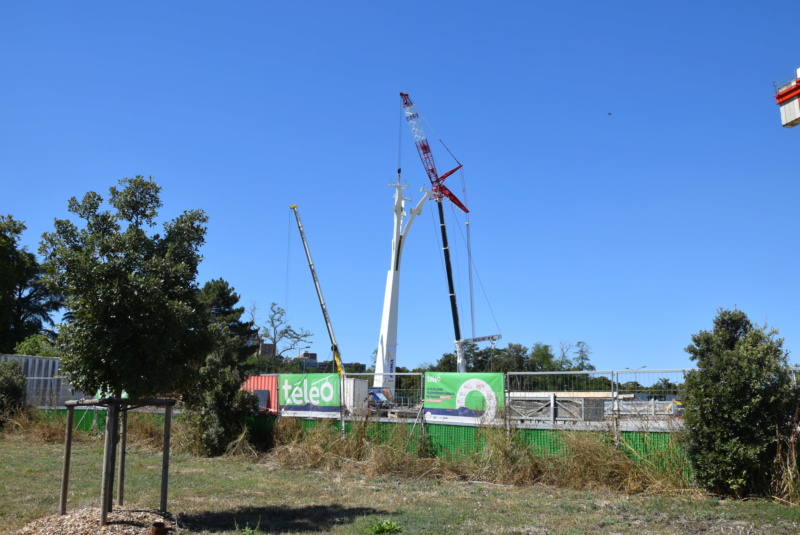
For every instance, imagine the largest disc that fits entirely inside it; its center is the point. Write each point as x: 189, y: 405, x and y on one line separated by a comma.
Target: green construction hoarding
x: 464, y: 398
x: 311, y: 395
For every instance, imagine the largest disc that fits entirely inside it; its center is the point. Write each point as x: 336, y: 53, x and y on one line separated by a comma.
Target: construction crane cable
x: 401, y: 120
x: 288, y: 262
x: 474, y: 268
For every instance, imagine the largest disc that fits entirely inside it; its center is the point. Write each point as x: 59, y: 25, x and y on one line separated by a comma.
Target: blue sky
x: 625, y: 166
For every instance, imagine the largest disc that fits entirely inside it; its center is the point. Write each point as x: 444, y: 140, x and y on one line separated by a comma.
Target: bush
x: 12, y: 387
x: 739, y: 403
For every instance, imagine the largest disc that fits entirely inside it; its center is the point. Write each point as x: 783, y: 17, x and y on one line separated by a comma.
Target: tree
x: 281, y: 337
x: 132, y: 297
x: 39, y: 345
x: 514, y: 358
x: 10, y: 232
x: 220, y: 300
x: 26, y: 305
x: 581, y: 360
x: 542, y: 358
x: 217, y: 405
x: 12, y: 388
x: 448, y: 363
x: 739, y: 400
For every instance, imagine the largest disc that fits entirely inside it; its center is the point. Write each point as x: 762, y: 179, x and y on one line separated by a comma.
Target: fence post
x: 506, y: 411
x: 553, y: 409
x: 123, y: 445
x: 106, y: 491
x: 62, y: 508
x: 615, y: 406
x: 165, y: 457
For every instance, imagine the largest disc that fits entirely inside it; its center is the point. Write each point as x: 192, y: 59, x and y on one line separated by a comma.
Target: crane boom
x: 425, y: 154
x: 334, y: 346
x: 439, y: 190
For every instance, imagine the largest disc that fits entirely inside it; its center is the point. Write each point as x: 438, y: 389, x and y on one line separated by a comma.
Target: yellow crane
x: 334, y: 346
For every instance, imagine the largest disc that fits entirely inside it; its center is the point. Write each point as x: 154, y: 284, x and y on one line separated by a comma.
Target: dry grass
x: 586, y: 460
x: 786, y: 482
x: 40, y: 426
x: 367, y: 478
x: 145, y: 433
x: 591, y: 461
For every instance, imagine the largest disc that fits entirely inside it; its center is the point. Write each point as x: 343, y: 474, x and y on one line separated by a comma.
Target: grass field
x: 238, y: 494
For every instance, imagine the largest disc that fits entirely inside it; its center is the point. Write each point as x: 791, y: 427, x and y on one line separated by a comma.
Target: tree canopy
x: 26, y: 305
x: 217, y: 404
x: 740, y: 401
x: 518, y: 358
x: 131, y: 295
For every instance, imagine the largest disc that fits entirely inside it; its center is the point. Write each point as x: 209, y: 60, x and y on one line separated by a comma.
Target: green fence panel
x: 544, y: 441
x: 453, y: 441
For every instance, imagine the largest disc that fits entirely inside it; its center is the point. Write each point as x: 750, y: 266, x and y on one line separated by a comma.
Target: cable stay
x: 440, y: 191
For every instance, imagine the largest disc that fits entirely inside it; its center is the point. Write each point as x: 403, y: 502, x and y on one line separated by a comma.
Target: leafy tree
x: 739, y: 400
x: 217, y: 406
x: 448, y: 363
x: 542, y: 358
x: 10, y: 232
x: 26, y: 305
x: 514, y: 358
x: 132, y: 296
x: 282, y: 339
x: 220, y: 300
x: 12, y: 387
x: 581, y: 360
x: 39, y: 345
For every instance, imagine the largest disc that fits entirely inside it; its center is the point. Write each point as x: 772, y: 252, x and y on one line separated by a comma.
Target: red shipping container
x: 266, y: 388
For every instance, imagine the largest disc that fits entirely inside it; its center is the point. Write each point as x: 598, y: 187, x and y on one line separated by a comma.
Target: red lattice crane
x: 439, y: 190
x: 425, y: 154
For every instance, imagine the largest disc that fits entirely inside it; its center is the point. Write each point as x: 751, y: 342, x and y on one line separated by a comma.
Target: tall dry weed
x: 35, y: 425
x: 661, y: 467
x: 146, y: 433
x: 786, y: 477
x: 585, y: 460
x: 590, y: 461
x: 502, y: 459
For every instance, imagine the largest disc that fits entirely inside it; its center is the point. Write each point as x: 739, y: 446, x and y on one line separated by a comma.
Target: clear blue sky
x: 626, y: 169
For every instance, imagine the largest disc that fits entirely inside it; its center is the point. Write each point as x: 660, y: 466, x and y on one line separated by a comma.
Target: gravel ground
x: 121, y: 521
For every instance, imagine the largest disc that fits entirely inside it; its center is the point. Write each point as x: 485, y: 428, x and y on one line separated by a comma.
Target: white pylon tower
x: 386, y: 360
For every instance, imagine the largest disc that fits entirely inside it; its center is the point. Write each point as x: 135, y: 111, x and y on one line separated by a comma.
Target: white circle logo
x: 481, y: 386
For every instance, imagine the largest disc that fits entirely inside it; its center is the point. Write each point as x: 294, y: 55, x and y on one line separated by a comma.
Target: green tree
x: 39, y: 345
x: 12, y: 388
x: 581, y: 360
x: 132, y: 296
x: 739, y: 400
x: 10, y: 232
x: 514, y: 358
x: 220, y: 301
x: 448, y: 363
x: 542, y: 358
x: 26, y: 305
x: 217, y: 406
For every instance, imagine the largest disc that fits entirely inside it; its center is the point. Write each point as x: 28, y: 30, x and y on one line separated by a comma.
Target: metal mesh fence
x: 558, y: 397
x: 48, y: 392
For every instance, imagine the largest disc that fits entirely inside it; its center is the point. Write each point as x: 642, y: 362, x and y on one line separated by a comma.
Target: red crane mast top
x: 425, y: 154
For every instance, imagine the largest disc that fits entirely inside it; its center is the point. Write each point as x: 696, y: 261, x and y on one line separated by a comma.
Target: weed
x: 247, y: 530
x: 145, y: 431
x: 386, y: 526
x: 786, y: 478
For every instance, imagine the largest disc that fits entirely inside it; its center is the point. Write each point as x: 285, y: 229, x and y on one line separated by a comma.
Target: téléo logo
x: 433, y: 378
x: 301, y: 393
